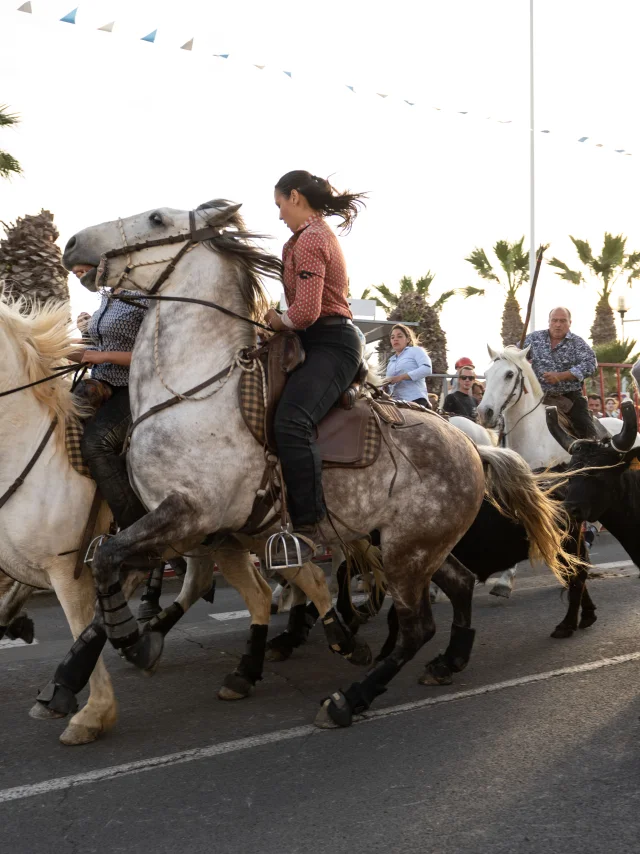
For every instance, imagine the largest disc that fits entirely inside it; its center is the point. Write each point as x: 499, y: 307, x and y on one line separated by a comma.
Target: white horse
x: 512, y: 391
x: 197, y: 467
x: 54, y: 500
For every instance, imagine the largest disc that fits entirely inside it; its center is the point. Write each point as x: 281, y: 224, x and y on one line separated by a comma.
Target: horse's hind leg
x: 577, y: 586
x: 16, y: 625
x: 237, y: 567
x: 302, y: 618
x: 410, y: 593
x: 457, y: 583
x: 588, y: 615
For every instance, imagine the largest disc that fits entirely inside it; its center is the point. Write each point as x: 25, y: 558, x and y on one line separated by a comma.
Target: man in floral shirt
x: 562, y: 361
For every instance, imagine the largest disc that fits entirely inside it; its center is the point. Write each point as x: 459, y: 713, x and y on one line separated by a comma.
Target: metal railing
x: 602, y: 381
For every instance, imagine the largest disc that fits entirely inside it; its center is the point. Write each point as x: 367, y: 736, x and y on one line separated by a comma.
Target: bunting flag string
x: 70, y: 18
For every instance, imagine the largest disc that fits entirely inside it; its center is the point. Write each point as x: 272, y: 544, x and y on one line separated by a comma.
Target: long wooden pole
x: 532, y: 294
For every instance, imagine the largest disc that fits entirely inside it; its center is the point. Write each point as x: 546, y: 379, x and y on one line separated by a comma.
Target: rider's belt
x: 333, y: 320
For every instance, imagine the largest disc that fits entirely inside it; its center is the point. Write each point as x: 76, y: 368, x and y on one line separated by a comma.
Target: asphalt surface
x: 531, y: 766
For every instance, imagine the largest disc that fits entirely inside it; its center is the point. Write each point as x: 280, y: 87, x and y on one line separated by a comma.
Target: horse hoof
x: 235, y: 687
x: 361, y: 655
x: 338, y: 709
x: 40, y: 712
x: 146, y: 651
x: 323, y: 719
x: 436, y: 674
x: 561, y: 632
x: 502, y: 590
x: 79, y: 734
x: 587, y: 620
x: 148, y: 610
x: 21, y: 629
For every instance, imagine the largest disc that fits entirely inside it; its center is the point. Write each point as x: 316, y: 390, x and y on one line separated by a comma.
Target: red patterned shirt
x: 315, y: 275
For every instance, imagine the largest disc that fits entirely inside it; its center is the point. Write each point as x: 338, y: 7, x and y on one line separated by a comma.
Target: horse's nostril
x: 488, y: 412
x: 70, y: 244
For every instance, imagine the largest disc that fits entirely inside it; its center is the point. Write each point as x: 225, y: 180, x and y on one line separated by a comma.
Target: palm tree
x: 607, y: 268
x: 8, y: 164
x: 514, y: 261
x: 412, y: 304
x: 31, y: 260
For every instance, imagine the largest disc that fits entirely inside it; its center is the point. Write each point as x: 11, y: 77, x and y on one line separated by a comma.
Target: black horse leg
x: 577, y: 583
x: 457, y: 583
x: 588, y: 616
x: 354, y: 616
x: 150, y: 604
x: 393, y: 628
x: 416, y: 628
x: 301, y: 621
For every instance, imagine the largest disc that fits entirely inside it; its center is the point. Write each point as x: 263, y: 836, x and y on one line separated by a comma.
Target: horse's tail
x: 513, y: 488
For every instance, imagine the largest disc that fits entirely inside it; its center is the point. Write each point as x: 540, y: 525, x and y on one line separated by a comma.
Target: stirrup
x: 291, y: 548
x: 94, y: 545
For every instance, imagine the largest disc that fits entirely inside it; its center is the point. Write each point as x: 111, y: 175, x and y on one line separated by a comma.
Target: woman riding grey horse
x: 316, y: 287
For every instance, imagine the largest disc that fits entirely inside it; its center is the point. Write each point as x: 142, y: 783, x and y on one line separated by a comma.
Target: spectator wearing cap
x: 461, y: 402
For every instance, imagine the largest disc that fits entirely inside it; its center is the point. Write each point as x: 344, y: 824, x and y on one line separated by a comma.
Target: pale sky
x: 113, y: 126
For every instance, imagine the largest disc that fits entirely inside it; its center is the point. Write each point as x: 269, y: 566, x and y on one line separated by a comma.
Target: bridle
x: 519, y: 389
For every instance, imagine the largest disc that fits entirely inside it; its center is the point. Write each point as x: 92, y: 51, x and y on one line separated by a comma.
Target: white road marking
x: 5, y: 643
x: 126, y: 769
x: 229, y: 615
x: 614, y: 564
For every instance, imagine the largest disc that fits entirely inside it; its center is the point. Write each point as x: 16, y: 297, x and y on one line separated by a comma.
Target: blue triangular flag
x: 26, y: 7
x: 222, y: 55
x: 545, y: 131
x: 350, y: 87
x: 288, y: 73
x: 411, y: 103
x: 583, y: 139
x: 619, y: 150
x: 150, y: 38
x: 70, y: 17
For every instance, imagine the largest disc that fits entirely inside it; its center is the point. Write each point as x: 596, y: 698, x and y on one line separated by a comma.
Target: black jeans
x: 580, y: 416
x: 102, y: 442
x: 333, y: 355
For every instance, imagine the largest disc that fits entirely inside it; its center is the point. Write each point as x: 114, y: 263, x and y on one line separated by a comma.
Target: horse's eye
x: 156, y: 218
x: 509, y: 375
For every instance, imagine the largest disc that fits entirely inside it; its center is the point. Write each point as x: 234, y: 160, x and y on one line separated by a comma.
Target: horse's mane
x: 234, y: 240
x: 42, y: 334
x: 513, y: 355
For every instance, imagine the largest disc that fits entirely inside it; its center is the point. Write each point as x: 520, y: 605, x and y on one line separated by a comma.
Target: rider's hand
x: 551, y: 377
x: 88, y: 357
x: 273, y: 319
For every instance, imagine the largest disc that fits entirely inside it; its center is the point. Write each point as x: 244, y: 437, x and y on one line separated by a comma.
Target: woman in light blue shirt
x: 408, y: 367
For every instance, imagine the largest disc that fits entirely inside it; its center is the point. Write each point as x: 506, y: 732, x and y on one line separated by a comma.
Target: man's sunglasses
x: 466, y: 379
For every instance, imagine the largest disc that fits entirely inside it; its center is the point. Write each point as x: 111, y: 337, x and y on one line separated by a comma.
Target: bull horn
x: 624, y: 440
x: 559, y: 433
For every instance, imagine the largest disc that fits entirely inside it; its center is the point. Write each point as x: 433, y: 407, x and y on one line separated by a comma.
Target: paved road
x: 498, y: 762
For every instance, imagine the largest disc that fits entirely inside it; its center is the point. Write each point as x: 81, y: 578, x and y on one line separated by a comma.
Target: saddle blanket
x: 72, y: 437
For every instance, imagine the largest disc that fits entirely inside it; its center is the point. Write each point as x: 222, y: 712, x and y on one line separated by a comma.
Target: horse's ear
x: 492, y: 352
x: 222, y: 215
x: 525, y: 352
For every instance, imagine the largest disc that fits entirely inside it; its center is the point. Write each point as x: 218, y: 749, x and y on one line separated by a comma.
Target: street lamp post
x: 532, y: 192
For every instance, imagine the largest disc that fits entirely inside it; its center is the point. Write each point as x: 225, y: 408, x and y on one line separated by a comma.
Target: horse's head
x: 143, y: 242
x: 504, y: 380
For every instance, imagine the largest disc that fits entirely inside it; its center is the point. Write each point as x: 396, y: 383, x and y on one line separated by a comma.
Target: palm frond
x: 424, y: 283
x: 406, y: 285
x: 584, y: 250
x: 388, y: 295
x: 442, y: 299
x: 471, y: 292
x: 478, y: 259
x: 9, y: 165
x: 8, y: 119
x: 568, y: 275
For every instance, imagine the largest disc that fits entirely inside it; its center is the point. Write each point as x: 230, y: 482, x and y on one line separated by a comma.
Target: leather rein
x: 519, y: 382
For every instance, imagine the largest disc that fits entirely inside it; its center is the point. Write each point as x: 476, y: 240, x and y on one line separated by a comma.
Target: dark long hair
x: 322, y: 196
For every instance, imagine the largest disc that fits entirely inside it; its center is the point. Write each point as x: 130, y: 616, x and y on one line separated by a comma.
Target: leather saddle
x: 344, y: 436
